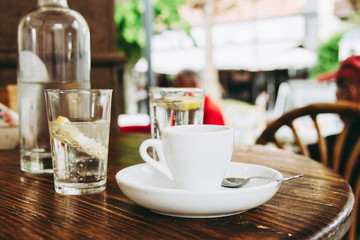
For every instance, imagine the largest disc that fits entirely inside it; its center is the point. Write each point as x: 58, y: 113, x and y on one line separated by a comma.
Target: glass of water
x: 175, y: 106
x: 79, y: 126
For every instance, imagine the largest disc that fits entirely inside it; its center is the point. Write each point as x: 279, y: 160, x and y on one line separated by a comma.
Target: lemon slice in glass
x: 64, y: 130
x: 183, y: 103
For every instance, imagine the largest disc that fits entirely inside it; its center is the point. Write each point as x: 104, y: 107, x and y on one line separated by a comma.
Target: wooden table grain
x: 317, y: 206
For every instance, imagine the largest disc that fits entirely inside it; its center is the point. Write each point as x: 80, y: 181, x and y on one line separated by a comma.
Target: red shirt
x: 212, y: 113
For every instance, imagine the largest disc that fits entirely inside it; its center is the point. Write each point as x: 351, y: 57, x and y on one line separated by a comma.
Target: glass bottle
x: 53, y: 52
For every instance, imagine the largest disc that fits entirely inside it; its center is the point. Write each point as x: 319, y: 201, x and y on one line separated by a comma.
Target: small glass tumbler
x: 175, y: 106
x: 79, y: 126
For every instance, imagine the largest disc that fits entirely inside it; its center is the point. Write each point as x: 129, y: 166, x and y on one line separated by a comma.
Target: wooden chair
x: 349, y: 167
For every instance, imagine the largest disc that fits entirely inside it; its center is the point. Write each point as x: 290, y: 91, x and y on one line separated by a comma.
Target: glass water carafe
x: 53, y: 53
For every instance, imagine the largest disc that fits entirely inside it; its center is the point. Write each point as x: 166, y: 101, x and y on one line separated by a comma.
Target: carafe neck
x: 53, y: 3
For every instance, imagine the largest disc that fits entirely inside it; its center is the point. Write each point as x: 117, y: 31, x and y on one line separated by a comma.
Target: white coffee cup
x: 193, y: 156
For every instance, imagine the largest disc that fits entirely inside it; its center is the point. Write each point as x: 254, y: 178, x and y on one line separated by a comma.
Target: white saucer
x: 149, y: 189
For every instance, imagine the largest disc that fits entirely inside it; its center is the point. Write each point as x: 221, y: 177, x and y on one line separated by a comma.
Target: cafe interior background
x: 257, y: 58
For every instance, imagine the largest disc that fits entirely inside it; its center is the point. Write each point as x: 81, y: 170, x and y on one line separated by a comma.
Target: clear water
x: 165, y: 113
x: 80, y: 153
x: 34, y: 132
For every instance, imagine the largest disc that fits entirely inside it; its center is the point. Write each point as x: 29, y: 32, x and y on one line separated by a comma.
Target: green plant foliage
x: 166, y: 13
x: 130, y: 31
x: 130, y: 34
x: 328, y: 56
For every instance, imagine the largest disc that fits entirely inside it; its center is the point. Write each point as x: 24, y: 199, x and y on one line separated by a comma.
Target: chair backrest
x: 348, y: 167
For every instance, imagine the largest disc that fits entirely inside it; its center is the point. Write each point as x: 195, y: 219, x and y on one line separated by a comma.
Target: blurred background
x: 257, y: 58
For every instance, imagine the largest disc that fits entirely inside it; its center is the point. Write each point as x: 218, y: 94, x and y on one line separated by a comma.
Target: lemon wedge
x: 183, y: 103
x: 63, y: 130
x: 62, y: 119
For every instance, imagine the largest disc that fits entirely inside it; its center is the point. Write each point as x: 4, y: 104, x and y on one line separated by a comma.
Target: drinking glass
x: 175, y: 106
x: 79, y: 125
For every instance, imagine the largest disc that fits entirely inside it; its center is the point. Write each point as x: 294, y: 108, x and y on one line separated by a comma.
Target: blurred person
x: 212, y: 112
x: 348, y: 80
x: 348, y: 89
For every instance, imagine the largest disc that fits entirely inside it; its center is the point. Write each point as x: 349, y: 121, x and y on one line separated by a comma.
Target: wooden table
x: 317, y: 206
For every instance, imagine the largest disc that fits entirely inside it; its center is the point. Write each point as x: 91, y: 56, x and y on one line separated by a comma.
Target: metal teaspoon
x: 239, y: 182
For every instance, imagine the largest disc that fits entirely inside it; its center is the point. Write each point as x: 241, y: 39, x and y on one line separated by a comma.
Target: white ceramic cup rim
x: 204, y: 129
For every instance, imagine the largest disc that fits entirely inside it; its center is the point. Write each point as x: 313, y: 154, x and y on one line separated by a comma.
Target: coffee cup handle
x: 160, y: 165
